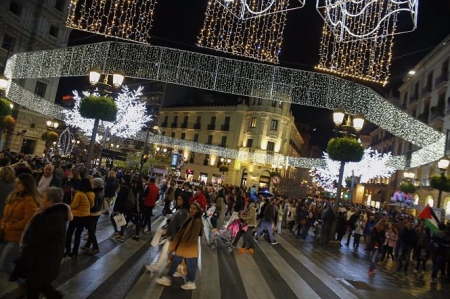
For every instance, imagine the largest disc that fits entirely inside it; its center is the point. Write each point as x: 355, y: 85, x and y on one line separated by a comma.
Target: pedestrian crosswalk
x: 280, y: 271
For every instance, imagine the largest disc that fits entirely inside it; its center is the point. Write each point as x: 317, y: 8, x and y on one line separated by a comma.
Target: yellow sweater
x: 81, y: 204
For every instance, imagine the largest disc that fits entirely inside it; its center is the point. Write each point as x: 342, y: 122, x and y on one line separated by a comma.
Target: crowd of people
x: 45, y: 207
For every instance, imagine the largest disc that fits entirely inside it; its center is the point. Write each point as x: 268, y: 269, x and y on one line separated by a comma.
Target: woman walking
x: 43, y: 246
x: 377, y: 238
x: 111, y: 186
x: 81, y: 209
x: 174, y: 225
x: 21, y: 205
x: 95, y: 212
x: 185, y: 246
x: 249, y: 218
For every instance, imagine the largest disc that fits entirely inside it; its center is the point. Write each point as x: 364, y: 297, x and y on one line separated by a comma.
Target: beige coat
x: 185, y: 242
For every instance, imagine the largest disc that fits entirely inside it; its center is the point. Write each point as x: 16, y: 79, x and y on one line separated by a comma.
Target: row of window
x: 429, y: 85
x: 17, y: 8
x: 274, y: 103
x: 212, y: 123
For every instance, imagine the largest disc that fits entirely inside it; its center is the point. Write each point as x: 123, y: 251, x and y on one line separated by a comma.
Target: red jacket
x: 151, y: 195
x: 200, y: 199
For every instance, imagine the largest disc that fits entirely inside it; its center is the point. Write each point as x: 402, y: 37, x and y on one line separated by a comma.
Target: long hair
x: 29, y: 184
x: 7, y: 174
x: 85, y: 185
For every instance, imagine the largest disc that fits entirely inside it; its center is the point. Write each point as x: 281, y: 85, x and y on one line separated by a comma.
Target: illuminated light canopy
x: 124, y: 19
x: 358, y: 36
x: 249, y: 28
x: 350, y: 20
x: 224, y: 75
x: 131, y: 115
x: 372, y: 165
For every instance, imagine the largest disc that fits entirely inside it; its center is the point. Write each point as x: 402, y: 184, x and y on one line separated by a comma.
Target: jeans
x: 305, y: 230
x: 350, y: 231
x: 146, y: 215
x: 266, y: 225
x: 388, y: 250
x: 356, y: 239
x: 438, y: 260
x: 373, y: 258
x: 191, y: 264
x: 136, y: 219
x: 157, y: 236
x: 76, y: 225
x: 248, y: 240
x: 9, y: 252
x: 92, y: 227
x: 404, y: 254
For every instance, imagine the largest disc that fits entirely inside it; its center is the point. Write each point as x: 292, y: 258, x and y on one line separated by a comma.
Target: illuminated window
x: 270, y: 146
x: 273, y: 125
x: 253, y: 123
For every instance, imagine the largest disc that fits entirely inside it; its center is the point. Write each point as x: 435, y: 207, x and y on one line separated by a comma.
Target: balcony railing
x: 183, y: 125
x: 173, y: 125
x: 197, y: 126
x: 441, y: 80
x: 164, y: 124
x: 211, y: 127
x: 413, y: 98
x: 225, y: 127
x: 426, y: 90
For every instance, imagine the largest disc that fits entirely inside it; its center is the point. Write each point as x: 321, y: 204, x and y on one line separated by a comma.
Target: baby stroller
x: 225, y: 234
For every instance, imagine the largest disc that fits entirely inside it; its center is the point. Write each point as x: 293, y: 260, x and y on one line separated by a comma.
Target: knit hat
x: 198, y: 206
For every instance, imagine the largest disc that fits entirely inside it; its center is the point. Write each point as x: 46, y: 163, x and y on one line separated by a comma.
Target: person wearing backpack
x: 121, y: 205
x: 96, y: 210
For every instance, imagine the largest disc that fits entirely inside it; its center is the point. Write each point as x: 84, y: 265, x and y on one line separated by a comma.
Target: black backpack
x: 130, y: 202
x: 98, y: 202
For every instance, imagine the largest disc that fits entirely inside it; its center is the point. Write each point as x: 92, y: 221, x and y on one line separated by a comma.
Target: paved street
x: 288, y: 270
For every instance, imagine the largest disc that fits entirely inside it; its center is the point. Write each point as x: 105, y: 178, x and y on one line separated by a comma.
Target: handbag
x: 119, y: 219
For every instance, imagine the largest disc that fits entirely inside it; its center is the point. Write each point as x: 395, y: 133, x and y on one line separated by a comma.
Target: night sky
x: 178, y: 22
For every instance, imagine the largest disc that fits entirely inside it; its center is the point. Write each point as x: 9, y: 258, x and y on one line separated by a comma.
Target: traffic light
x: 144, y: 158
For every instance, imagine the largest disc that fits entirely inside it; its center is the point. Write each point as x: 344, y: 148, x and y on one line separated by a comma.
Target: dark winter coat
x: 111, y: 187
x: 43, y: 246
x: 122, y: 195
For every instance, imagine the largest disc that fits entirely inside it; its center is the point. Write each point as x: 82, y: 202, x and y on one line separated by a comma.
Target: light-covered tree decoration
x: 372, y: 165
x: 131, y: 115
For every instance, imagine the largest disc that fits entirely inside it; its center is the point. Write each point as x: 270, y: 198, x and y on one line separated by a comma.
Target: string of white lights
x: 247, y: 9
x: 350, y: 20
x: 123, y: 19
x: 224, y: 75
x: 65, y: 142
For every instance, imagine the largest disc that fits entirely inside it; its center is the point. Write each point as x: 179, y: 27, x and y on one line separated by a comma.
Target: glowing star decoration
x: 131, y: 115
x: 243, y: 78
x: 250, y: 28
x: 372, y: 165
x: 351, y: 20
x: 65, y: 142
x: 125, y: 19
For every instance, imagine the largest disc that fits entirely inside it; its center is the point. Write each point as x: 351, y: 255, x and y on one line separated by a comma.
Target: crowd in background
x: 35, y: 194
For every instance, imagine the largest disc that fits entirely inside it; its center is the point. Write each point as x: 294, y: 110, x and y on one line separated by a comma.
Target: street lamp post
x: 103, y: 88
x: 351, y: 127
x: 443, y: 166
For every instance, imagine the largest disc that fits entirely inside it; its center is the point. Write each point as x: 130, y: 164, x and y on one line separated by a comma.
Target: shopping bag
x: 120, y: 220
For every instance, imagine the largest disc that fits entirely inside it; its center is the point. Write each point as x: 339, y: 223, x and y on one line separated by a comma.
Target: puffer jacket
x: 16, y: 215
x: 81, y: 204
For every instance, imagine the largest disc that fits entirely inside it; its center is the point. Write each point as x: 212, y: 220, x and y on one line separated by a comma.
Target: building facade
x: 29, y: 25
x: 253, y: 125
x: 425, y: 94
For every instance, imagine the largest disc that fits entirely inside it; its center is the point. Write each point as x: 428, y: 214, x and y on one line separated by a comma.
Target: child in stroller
x: 226, y: 234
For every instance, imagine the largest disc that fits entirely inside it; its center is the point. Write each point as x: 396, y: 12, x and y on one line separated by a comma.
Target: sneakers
x: 151, y: 268
x: 120, y: 238
x: 177, y: 274
x: 250, y: 251
x: 164, y: 281
x: 274, y: 243
x: 241, y: 250
x: 190, y: 285
x: 136, y: 238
